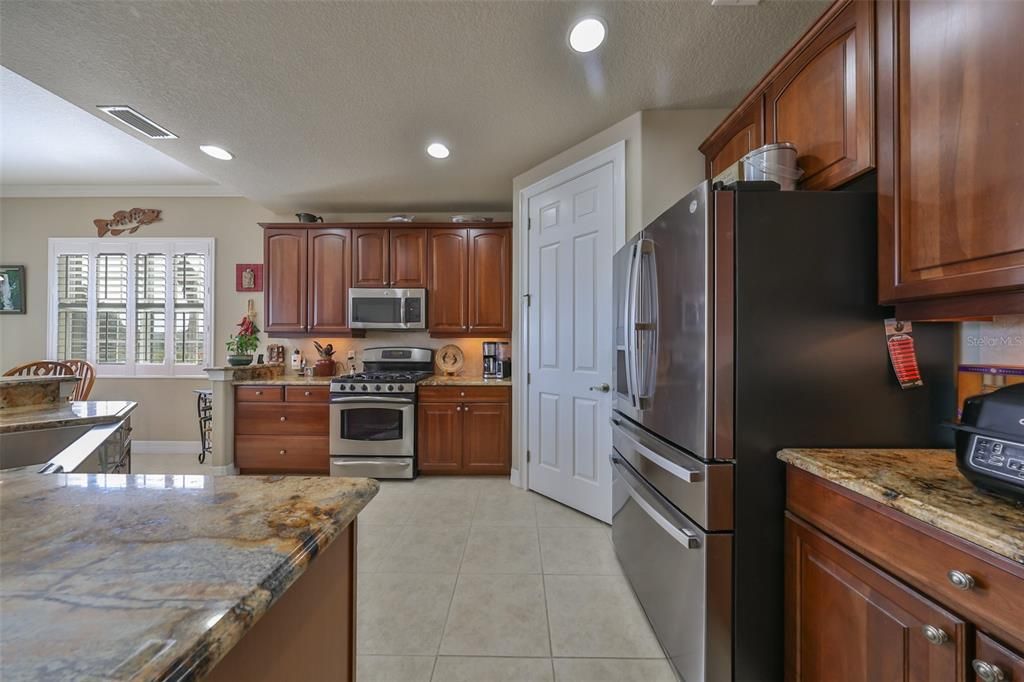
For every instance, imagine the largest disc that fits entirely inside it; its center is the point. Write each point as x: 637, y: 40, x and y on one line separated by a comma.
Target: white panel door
x: 570, y: 342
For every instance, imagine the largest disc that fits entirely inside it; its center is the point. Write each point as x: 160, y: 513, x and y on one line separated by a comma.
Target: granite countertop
x: 285, y: 380
x: 462, y: 380
x: 147, y: 577
x: 50, y: 416
x: 21, y: 381
x: 926, y: 485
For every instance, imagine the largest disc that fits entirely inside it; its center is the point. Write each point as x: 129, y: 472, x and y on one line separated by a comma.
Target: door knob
x: 987, y: 671
x: 603, y: 388
x: 935, y: 635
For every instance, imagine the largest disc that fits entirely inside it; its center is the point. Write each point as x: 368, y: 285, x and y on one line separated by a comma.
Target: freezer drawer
x: 700, y: 490
x: 681, y: 575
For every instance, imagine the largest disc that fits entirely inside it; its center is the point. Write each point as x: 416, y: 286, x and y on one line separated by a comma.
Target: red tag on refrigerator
x: 899, y: 338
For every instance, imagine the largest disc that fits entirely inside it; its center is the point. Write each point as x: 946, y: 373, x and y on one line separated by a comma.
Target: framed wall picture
x: 249, y: 277
x: 12, y: 289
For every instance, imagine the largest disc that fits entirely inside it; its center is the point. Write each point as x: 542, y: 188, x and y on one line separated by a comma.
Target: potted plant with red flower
x: 242, y: 345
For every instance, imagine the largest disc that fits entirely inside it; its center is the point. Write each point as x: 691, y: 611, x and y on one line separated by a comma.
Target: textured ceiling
x: 48, y: 141
x: 329, y: 105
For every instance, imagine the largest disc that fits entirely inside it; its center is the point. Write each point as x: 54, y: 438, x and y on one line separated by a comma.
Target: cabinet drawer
x: 918, y: 554
x: 992, y: 657
x: 306, y: 394
x: 259, y: 394
x: 465, y: 394
x: 281, y: 419
x: 295, y: 453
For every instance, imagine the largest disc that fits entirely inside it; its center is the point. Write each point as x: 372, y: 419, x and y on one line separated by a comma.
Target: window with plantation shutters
x: 132, y: 307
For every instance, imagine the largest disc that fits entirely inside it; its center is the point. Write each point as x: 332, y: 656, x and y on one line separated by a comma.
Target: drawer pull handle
x: 987, y: 672
x: 961, y: 580
x: 462, y: 394
x: 307, y: 394
x: 935, y: 635
x: 285, y: 452
x: 259, y: 392
x: 284, y: 418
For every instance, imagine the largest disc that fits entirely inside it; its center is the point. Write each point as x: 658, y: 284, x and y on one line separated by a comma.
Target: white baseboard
x: 513, y: 478
x: 166, y: 447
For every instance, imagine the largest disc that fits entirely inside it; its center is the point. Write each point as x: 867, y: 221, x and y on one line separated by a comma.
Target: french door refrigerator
x: 746, y: 322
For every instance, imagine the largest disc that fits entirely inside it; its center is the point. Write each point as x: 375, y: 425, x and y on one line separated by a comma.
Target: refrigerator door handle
x: 650, y: 325
x: 684, y: 537
x: 629, y: 313
x: 679, y: 472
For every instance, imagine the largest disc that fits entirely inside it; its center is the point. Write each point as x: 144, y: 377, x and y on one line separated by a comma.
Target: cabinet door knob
x: 307, y: 394
x: 961, y: 580
x: 935, y: 635
x: 458, y: 408
x: 462, y: 394
x: 282, y: 452
x: 284, y: 418
x: 987, y: 672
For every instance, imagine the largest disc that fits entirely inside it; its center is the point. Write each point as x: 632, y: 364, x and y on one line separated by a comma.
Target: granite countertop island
x: 462, y: 380
x: 146, y: 577
x: 926, y: 485
x: 55, y: 415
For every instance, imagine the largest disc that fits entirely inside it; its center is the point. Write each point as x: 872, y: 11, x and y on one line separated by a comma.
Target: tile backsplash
x: 471, y: 348
x: 999, y: 342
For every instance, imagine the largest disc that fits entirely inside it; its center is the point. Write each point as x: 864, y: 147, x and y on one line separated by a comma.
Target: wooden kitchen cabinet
x: 448, y: 289
x: 329, y: 255
x: 822, y: 100
x: 848, y: 620
x: 370, y: 257
x: 408, y: 258
x: 464, y: 430
x: 284, y: 254
x: 490, y: 281
x: 741, y: 132
x: 950, y: 125
x: 389, y: 258
x: 282, y: 429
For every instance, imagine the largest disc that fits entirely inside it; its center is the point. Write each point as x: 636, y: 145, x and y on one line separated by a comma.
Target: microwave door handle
x: 686, y: 538
x: 401, y: 312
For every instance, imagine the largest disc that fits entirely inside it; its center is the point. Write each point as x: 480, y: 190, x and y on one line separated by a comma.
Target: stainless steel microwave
x: 387, y: 308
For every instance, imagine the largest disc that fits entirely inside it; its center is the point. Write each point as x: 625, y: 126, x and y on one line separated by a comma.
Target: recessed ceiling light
x: 438, y: 150
x: 587, y: 35
x: 216, y: 152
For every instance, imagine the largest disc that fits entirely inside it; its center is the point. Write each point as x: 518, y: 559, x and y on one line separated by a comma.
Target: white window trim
x: 94, y: 245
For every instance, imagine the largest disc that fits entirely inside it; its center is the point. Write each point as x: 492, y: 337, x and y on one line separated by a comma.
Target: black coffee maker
x: 497, y: 360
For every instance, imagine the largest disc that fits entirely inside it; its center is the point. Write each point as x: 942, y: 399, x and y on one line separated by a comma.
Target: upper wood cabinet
x: 330, y: 251
x: 490, y: 281
x: 950, y: 131
x: 408, y: 257
x: 821, y: 101
x: 448, y: 290
x: 370, y: 258
x: 285, y: 272
x: 741, y: 132
x: 389, y: 258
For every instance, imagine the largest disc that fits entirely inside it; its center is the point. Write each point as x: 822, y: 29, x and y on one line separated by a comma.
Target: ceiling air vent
x: 137, y: 121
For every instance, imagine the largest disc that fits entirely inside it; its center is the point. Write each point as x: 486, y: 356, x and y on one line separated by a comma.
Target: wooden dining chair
x: 40, y: 368
x: 86, y: 374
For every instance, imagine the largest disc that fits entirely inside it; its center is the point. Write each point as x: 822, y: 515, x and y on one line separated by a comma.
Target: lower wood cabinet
x: 464, y: 430
x: 282, y: 429
x: 871, y: 595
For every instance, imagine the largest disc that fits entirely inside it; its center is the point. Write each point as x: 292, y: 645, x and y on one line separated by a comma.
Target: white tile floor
x: 473, y: 579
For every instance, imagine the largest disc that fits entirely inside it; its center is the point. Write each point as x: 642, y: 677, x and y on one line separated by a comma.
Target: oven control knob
x: 377, y: 387
x: 365, y: 387
x: 391, y: 387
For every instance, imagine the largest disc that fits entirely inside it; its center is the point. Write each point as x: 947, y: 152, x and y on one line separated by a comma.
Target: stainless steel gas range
x: 373, y: 414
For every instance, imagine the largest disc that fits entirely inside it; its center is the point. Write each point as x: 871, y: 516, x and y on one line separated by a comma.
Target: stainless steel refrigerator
x: 745, y: 322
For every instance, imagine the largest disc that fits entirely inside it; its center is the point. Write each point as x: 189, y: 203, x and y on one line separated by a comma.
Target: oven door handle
x: 354, y: 399
x: 688, y: 539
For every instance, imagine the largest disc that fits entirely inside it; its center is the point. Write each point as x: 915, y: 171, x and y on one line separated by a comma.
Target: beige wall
x: 166, y: 406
